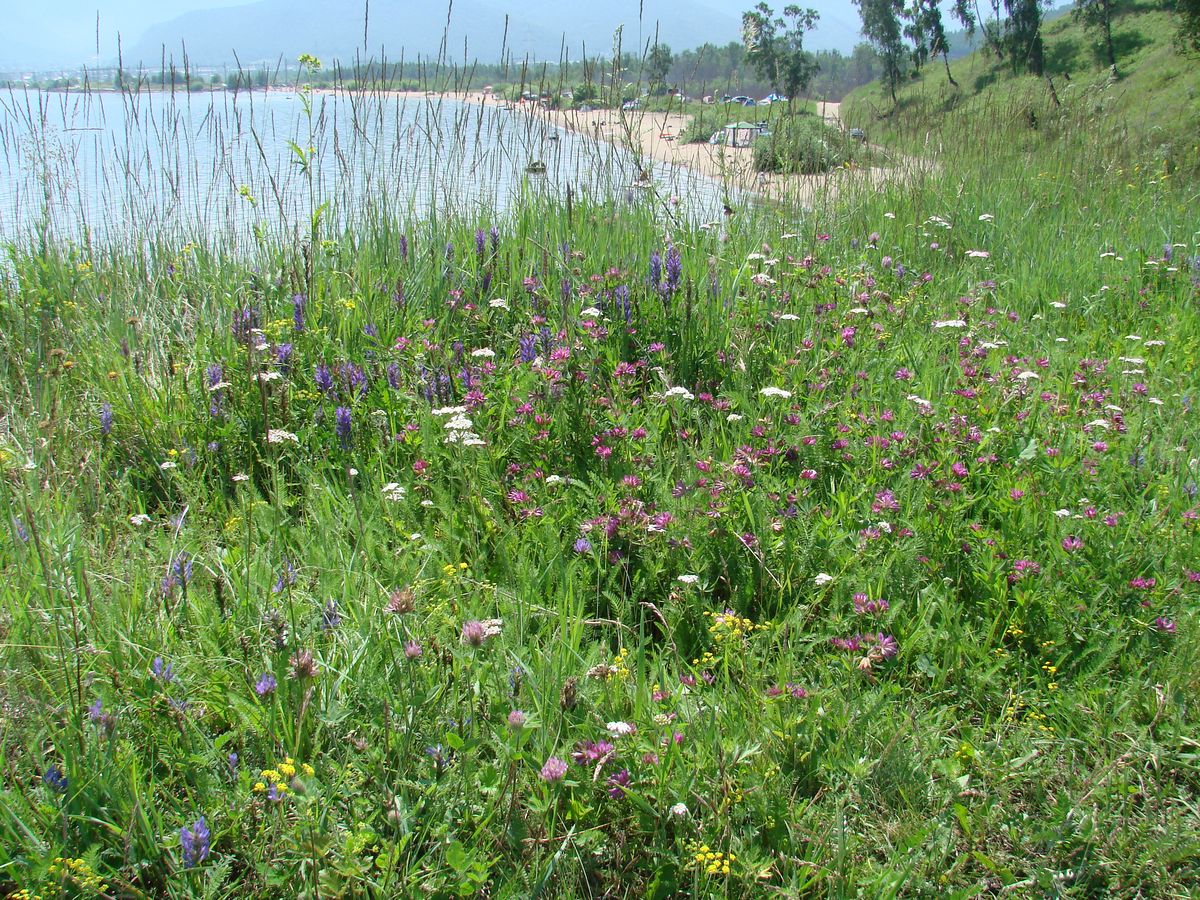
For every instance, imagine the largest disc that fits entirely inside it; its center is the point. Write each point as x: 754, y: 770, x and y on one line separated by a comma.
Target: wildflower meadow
x: 592, y: 550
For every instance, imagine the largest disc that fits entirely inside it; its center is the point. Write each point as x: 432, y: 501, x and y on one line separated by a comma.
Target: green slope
x: 1152, y: 109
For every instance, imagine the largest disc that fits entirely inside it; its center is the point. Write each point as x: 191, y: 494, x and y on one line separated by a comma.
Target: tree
x: 1098, y: 14
x: 1015, y: 31
x: 928, y: 33
x: 658, y: 64
x: 881, y: 26
x: 775, y: 46
x: 1189, y: 24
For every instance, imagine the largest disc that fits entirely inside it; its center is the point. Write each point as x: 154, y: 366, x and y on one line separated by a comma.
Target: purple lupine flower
x: 480, y: 243
x: 194, y: 842
x: 404, y: 247
x: 214, y: 375
x: 553, y: 770
x: 527, y: 345
x: 342, y: 426
x: 266, y: 684
x: 393, y: 376
x: 330, y: 617
x: 54, y: 779
x: 298, y: 303
x: 181, y: 566
x: 106, y: 419
x: 283, y: 356
x: 164, y: 672
x: 287, y: 577
x: 323, y: 378
x: 449, y: 251
x: 370, y: 330
x: 655, y: 268
x: 621, y: 296
x: 245, y: 320
x: 674, y: 269
x: 567, y: 290
x: 494, y: 235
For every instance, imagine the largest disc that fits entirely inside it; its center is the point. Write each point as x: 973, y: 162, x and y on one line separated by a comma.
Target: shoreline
x: 654, y: 136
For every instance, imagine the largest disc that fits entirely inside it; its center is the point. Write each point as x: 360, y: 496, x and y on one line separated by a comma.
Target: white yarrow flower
x: 279, y: 436
x: 775, y: 392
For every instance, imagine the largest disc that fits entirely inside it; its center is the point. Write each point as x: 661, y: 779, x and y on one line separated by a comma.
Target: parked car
x: 632, y: 104
x: 858, y: 134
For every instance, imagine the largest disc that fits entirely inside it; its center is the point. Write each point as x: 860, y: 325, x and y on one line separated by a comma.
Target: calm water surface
x: 228, y: 166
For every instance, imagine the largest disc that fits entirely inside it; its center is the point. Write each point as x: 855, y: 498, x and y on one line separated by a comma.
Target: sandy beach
x: 655, y: 135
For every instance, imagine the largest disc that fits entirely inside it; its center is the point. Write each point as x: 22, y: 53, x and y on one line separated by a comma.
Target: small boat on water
x: 536, y: 167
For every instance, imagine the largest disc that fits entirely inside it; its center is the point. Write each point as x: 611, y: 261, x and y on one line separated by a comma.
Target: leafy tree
x: 927, y: 32
x: 775, y: 46
x: 1098, y: 14
x: 658, y: 64
x: 881, y: 26
x: 1189, y: 23
x: 1015, y: 32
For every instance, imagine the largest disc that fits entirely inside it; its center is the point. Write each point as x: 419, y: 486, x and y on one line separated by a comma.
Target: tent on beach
x: 736, y: 134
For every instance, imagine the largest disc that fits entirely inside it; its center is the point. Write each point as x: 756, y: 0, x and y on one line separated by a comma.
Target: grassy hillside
x: 1152, y: 109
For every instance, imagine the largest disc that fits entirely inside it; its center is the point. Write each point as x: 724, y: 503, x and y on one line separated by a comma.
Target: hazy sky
x: 65, y: 30
x: 68, y: 27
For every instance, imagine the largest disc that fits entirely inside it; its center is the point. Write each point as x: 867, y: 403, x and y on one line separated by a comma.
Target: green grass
x: 1034, y: 735
x: 1151, y: 111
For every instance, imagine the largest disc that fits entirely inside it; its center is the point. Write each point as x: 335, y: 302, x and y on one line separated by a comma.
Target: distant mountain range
x: 536, y: 29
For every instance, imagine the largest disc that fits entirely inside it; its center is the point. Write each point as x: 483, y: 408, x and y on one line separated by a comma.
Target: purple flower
x: 195, y: 843
x: 655, y: 268
x: 1165, y: 625
x: 214, y: 374
x: 494, y: 236
x: 283, y: 355
x: 330, y: 617
x: 412, y: 650
x: 527, y: 346
x: 554, y: 770
x: 164, y: 672
x: 480, y: 243
x: 674, y: 270
x: 583, y: 545
x: 592, y: 752
x: 323, y: 379
x: 298, y: 302
x: 106, y: 419
x: 619, y: 781
x: 1071, y: 543
x: 404, y: 247
x: 266, y: 685
x: 517, y: 720
x: 342, y: 418
x: 54, y: 779
x: 474, y: 633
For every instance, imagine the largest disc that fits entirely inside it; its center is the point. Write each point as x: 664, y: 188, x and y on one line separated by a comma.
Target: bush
x: 802, y: 145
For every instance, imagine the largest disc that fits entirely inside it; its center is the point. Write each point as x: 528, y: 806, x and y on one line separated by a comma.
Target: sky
x: 64, y: 31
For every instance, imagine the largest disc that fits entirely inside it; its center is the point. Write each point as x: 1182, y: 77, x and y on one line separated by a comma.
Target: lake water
x: 222, y: 165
